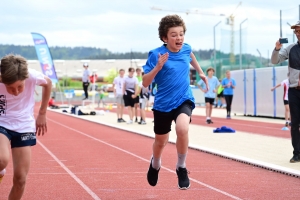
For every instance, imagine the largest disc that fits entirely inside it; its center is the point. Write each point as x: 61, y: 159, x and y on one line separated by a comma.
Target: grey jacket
x: 292, y: 52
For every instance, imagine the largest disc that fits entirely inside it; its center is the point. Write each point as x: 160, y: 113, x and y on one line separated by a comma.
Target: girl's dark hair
x: 168, y: 22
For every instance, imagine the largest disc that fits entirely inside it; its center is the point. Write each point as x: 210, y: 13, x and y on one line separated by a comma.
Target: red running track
x: 78, y: 159
x: 255, y: 127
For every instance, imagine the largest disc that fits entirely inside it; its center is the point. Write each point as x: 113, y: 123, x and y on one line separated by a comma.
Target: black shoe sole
x: 184, y: 188
x: 150, y: 168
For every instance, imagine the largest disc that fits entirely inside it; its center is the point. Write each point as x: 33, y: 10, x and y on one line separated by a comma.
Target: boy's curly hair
x: 168, y: 22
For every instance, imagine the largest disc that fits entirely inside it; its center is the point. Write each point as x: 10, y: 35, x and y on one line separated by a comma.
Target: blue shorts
x: 19, y: 139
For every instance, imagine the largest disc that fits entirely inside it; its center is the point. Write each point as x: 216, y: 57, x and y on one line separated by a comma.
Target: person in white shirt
x: 137, y: 99
x: 144, y: 95
x: 18, y: 127
x: 130, y: 91
x: 86, y: 80
x: 118, y: 91
x: 286, y: 84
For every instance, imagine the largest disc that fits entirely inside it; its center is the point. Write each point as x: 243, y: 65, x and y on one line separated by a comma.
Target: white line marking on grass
x: 84, y: 186
x: 146, y: 160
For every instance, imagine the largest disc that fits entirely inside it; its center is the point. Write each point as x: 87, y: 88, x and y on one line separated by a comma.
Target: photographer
x: 292, y: 53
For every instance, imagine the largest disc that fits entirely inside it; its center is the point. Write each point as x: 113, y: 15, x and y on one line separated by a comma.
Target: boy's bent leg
x: 160, y: 142
x: 4, y: 151
x: 21, y: 162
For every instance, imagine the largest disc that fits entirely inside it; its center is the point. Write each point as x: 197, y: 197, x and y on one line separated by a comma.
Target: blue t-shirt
x: 228, y: 90
x: 173, y: 80
x: 213, y: 83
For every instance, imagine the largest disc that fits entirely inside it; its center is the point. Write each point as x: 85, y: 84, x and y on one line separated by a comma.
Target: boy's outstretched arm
x: 197, y: 67
x: 147, y: 78
x: 41, y: 124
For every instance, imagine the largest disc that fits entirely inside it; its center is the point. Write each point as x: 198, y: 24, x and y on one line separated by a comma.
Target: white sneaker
x: 130, y: 122
x: 142, y: 122
x: 2, y: 173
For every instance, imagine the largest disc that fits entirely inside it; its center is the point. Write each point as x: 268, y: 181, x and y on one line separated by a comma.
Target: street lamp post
x: 280, y: 24
x: 259, y: 56
x: 215, y: 67
x: 241, y: 42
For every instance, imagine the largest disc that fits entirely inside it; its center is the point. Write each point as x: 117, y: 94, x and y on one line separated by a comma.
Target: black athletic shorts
x: 128, y: 100
x: 163, y: 120
x: 18, y: 139
x: 221, y: 95
x: 285, y: 102
x: 209, y: 100
x: 137, y: 99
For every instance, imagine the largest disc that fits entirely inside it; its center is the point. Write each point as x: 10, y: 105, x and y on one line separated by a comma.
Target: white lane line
x: 84, y: 186
x: 146, y: 160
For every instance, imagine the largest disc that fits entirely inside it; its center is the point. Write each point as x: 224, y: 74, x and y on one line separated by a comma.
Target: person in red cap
x: 292, y: 53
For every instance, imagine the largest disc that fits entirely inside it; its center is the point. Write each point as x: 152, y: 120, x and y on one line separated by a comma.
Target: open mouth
x: 178, y: 44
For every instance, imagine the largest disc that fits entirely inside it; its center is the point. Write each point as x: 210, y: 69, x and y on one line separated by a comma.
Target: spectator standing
x: 220, y: 95
x: 137, y: 99
x: 144, y: 95
x: 228, y: 84
x: 118, y: 85
x: 130, y: 91
x: 86, y: 80
x: 292, y: 53
x: 210, y: 94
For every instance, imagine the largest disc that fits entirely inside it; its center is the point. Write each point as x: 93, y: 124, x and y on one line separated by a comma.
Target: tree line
x: 77, y: 53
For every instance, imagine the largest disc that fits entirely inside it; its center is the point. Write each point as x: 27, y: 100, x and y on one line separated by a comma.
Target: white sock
x: 181, y: 160
x: 156, y: 162
x: 207, y: 118
x: 2, y: 172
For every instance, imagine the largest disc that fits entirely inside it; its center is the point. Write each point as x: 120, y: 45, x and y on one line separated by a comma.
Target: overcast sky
x: 122, y: 25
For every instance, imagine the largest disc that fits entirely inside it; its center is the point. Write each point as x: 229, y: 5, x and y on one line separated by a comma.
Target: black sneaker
x: 122, y: 120
x: 136, y: 120
x: 183, y: 179
x: 152, y: 175
x: 208, y: 121
x: 295, y: 159
x: 119, y: 121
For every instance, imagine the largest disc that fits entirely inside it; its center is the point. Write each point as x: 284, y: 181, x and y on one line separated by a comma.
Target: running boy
x: 210, y: 94
x: 286, y: 84
x: 18, y: 128
x: 169, y: 65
